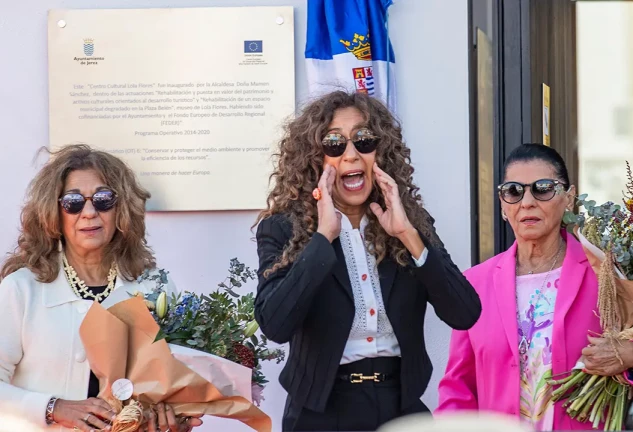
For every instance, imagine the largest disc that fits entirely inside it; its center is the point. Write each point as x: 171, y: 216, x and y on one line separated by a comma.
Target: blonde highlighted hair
x: 40, y: 230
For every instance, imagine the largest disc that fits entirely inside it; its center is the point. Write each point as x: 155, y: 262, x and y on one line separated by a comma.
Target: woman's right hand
x: 329, y: 218
x: 87, y: 415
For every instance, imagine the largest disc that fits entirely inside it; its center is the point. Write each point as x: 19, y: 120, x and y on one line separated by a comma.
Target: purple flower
x: 258, y: 393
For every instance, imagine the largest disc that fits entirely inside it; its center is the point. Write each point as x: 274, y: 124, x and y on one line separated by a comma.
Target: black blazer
x: 311, y: 305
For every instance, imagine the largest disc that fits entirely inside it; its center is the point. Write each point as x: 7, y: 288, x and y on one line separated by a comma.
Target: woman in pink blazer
x: 503, y: 362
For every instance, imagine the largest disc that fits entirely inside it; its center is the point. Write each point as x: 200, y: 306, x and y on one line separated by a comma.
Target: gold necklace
x: 79, y: 287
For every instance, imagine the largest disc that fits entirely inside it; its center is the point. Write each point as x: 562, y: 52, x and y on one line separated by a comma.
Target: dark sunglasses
x: 103, y: 201
x: 334, y: 144
x: 542, y: 190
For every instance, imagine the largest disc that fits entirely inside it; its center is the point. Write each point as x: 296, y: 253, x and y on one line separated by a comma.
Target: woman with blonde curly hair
x: 349, y: 259
x: 82, y: 239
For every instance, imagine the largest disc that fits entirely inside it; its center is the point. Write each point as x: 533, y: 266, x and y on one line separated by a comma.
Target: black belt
x: 357, y: 378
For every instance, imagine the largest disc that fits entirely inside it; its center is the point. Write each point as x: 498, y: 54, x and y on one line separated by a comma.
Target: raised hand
x: 329, y: 218
x: 393, y: 219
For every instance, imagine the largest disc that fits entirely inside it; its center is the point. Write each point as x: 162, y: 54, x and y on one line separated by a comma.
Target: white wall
x: 430, y: 42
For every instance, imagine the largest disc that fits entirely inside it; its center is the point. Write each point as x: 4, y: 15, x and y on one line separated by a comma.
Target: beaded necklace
x: 79, y: 287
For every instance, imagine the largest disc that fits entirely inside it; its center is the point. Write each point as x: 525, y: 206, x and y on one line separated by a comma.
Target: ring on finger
x: 86, y: 418
x: 316, y: 194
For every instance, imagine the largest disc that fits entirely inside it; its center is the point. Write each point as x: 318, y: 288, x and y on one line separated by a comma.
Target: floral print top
x: 536, y: 319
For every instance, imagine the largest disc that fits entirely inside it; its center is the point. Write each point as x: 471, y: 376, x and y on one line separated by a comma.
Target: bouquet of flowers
x: 606, y: 233
x: 136, y: 370
x: 221, y: 323
x: 199, y: 354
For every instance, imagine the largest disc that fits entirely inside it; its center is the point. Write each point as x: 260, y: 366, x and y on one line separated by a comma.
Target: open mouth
x: 353, y: 180
x: 530, y: 220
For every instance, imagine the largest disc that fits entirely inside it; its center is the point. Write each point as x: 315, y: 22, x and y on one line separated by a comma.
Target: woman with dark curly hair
x: 349, y: 259
x: 82, y: 239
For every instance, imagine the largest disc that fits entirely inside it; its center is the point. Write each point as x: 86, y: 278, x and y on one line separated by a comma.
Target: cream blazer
x: 41, y: 353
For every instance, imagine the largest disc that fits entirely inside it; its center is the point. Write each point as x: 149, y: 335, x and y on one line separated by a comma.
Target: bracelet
x: 49, y: 411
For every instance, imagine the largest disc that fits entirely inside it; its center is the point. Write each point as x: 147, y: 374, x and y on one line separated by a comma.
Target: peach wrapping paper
x: 119, y: 343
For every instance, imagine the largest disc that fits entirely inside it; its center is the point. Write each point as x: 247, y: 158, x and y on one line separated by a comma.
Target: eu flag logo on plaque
x: 253, y: 46
x: 89, y: 47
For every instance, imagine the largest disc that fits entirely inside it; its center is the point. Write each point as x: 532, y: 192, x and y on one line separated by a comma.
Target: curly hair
x: 40, y: 230
x: 299, y: 165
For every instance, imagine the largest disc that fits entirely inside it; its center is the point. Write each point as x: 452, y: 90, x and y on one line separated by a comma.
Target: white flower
x: 161, y: 305
x: 251, y: 328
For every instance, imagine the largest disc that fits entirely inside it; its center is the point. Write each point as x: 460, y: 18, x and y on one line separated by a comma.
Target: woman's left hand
x: 600, y: 356
x: 393, y: 219
x: 163, y: 419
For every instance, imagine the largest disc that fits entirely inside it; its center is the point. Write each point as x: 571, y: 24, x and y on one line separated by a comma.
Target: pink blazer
x: 483, y: 365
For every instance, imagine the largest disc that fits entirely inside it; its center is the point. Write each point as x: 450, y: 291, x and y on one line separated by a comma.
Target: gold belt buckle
x: 356, y: 378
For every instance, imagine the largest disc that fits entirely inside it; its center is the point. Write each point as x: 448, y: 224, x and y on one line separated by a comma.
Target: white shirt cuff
x: 422, y: 259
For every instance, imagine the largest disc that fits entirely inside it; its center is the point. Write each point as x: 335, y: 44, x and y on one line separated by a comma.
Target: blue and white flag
x: 348, y: 48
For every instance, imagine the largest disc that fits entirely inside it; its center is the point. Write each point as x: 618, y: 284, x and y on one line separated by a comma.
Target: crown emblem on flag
x: 359, y: 46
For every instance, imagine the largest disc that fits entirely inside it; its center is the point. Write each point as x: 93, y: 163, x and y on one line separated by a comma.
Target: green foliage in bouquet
x: 221, y: 323
x: 610, y: 226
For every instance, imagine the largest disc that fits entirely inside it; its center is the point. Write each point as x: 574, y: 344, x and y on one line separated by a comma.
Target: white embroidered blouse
x: 371, y: 334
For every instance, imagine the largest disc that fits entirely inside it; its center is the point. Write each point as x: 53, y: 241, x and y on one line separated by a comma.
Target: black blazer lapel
x: 387, y: 272
x: 340, y: 269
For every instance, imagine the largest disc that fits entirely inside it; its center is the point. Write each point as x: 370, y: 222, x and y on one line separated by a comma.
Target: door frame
x: 515, y: 90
